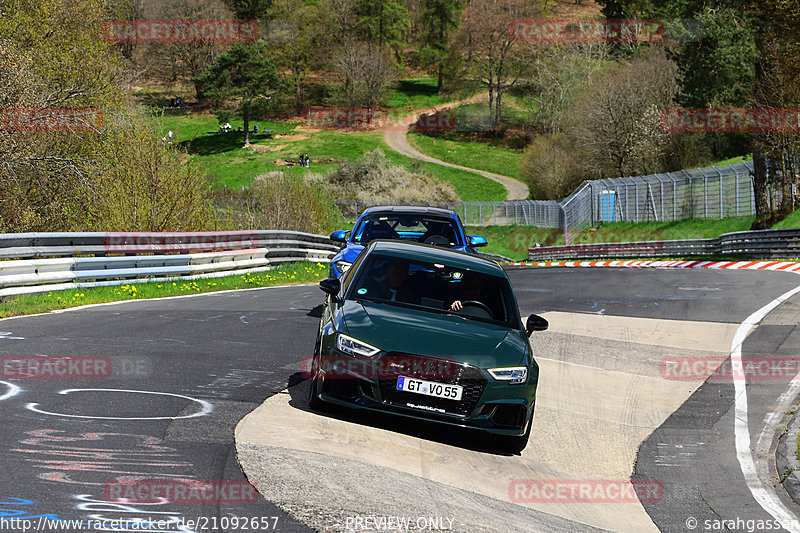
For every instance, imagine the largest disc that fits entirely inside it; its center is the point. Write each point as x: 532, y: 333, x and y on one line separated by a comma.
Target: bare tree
x: 370, y: 73
x: 557, y: 72
x: 780, y: 89
x: 171, y: 62
x: 615, y: 120
x: 490, y: 52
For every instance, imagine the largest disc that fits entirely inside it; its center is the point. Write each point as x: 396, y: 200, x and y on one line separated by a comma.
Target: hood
x: 393, y: 328
x: 350, y: 253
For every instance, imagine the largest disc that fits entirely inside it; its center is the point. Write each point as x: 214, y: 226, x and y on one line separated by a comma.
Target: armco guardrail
x: 38, y: 262
x: 763, y: 244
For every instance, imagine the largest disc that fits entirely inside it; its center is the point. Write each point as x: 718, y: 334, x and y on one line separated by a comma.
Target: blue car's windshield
x: 428, y: 230
x: 436, y: 287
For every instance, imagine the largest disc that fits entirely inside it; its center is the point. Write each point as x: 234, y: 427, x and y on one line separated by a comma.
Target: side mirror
x: 340, y: 235
x: 330, y: 286
x: 477, y: 240
x: 536, y: 323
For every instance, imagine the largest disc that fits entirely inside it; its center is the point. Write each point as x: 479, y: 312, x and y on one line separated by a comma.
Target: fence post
x: 465, y: 212
x: 736, y: 171
x: 674, y: 198
x: 721, y: 198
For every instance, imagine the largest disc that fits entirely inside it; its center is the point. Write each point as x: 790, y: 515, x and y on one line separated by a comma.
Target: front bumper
x: 487, y: 404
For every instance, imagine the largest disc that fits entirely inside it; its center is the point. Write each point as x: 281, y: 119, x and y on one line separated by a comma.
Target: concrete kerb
x: 786, y: 461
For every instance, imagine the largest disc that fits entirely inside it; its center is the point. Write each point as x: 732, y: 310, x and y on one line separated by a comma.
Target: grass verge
x: 44, y: 302
x: 456, y: 149
x: 514, y: 241
x: 227, y: 164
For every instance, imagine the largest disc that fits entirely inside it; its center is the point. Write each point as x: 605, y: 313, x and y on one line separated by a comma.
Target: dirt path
x: 396, y: 136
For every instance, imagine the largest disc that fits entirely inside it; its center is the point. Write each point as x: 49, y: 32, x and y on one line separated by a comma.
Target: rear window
x: 429, y: 230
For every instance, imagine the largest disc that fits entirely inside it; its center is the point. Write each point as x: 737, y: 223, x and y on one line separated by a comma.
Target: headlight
x: 351, y: 346
x: 342, y: 266
x: 514, y: 375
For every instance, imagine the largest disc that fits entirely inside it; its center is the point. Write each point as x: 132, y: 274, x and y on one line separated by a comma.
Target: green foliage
x: 244, y: 72
x: 438, y: 18
x: 384, y: 22
x: 147, y: 185
x: 251, y: 9
x: 719, y: 68
x: 280, y: 200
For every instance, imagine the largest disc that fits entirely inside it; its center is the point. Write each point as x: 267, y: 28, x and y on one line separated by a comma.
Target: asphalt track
x: 203, y: 364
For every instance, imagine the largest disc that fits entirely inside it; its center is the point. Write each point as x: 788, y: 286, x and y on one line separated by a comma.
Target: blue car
x: 427, y: 225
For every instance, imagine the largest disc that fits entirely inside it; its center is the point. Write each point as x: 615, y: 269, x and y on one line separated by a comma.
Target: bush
x: 550, y: 168
x: 280, y: 200
x: 372, y: 178
x: 147, y: 185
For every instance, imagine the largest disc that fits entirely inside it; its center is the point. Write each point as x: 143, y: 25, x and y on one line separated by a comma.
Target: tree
x: 294, y: 42
x: 47, y: 176
x: 558, y: 71
x: 549, y: 165
x: 615, y: 120
x: 246, y: 73
x: 370, y: 72
x: 173, y: 61
x: 489, y: 48
x: 718, y: 69
x: 251, y: 9
x: 438, y: 19
x: 383, y: 22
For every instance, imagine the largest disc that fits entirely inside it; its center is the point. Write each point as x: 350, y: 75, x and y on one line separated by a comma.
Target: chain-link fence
x: 710, y: 192
x: 541, y: 213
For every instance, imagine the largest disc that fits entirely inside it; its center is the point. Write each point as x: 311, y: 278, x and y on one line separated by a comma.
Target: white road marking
x: 206, y: 406
x: 765, y: 497
x: 13, y: 390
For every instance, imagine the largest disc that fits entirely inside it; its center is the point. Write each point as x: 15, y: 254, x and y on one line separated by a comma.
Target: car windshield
x: 435, y: 287
x: 429, y: 230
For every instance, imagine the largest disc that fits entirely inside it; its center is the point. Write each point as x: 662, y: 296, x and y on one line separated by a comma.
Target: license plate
x: 429, y: 388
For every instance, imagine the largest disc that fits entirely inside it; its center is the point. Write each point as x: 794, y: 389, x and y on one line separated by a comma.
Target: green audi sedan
x: 428, y: 333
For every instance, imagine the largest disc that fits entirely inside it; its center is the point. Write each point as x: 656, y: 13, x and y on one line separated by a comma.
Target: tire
x: 315, y: 403
x: 515, y: 444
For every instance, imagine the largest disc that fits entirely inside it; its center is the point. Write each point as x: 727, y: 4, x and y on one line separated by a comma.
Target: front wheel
x: 315, y: 403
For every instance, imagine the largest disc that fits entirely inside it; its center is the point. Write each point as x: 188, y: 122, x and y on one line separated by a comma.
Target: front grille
x: 468, y: 376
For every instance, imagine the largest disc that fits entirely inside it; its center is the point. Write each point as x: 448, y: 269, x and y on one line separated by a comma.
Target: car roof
x: 412, y: 251
x: 409, y: 210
